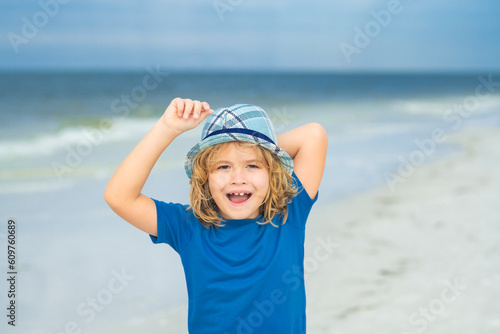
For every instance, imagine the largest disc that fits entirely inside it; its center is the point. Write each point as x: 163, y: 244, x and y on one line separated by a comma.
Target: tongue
x: 238, y: 198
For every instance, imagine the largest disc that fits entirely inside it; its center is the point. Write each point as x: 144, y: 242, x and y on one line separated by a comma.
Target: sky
x: 264, y: 35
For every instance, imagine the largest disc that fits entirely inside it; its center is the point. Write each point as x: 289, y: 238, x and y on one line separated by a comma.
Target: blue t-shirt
x: 243, y: 277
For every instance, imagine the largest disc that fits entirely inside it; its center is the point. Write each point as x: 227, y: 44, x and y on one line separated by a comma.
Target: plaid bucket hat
x: 241, y: 122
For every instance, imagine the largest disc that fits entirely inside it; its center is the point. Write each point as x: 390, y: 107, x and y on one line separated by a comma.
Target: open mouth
x: 238, y: 197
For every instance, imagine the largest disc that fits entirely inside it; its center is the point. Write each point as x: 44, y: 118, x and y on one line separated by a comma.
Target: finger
x: 196, y: 109
x: 188, y: 108
x: 179, y: 105
x: 205, y: 106
x: 205, y: 114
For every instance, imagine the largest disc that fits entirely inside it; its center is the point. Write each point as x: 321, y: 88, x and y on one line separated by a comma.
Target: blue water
x: 63, y: 134
x: 371, y: 119
x: 52, y: 99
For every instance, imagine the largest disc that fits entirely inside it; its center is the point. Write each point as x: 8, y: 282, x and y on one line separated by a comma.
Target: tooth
x: 241, y: 194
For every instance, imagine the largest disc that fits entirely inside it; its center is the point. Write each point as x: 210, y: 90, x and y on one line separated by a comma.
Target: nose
x: 238, y: 176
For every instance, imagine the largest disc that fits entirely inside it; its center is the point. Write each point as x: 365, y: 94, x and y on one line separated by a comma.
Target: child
x: 241, y: 241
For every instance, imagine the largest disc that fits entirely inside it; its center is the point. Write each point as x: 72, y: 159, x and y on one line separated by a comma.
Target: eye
x: 223, y: 167
x: 253, y: 166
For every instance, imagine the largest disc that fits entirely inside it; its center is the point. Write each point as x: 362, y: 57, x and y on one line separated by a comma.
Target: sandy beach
x: 420, y: 258
x: 423, y: 258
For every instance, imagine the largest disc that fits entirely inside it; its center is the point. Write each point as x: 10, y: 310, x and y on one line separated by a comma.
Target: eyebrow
x: 245, y: 161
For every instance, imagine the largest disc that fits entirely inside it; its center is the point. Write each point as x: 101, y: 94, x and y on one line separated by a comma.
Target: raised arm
x: 307, y: 146
x: 123, y: 192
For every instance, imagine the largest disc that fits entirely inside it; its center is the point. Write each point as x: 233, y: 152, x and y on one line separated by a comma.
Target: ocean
x: 63, y: 135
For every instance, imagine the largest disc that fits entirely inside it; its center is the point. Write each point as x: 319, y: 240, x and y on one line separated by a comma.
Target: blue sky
x: 417, y: 35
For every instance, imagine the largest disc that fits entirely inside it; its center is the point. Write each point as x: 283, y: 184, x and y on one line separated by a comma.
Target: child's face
x: 238, y: 170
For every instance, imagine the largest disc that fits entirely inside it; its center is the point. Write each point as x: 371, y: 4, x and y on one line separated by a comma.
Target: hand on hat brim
x: 185, y: 114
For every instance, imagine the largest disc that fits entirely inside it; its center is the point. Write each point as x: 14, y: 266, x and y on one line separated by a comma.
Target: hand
x: 185, y: 114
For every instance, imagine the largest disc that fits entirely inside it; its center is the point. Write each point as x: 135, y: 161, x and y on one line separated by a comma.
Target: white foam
x: 439, y: 106
x: 48, y: 143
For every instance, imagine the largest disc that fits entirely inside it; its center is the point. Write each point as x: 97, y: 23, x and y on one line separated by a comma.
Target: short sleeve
x: 174, y: 226
x: 303, y: 195
x: 299, y: 208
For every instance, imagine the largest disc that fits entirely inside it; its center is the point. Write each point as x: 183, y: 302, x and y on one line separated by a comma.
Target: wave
x: 45, y: 144
x: 107, y: 131
x: 440, y: 106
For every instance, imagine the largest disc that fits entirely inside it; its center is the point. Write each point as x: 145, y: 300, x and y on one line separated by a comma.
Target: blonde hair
x: 280, y: 192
